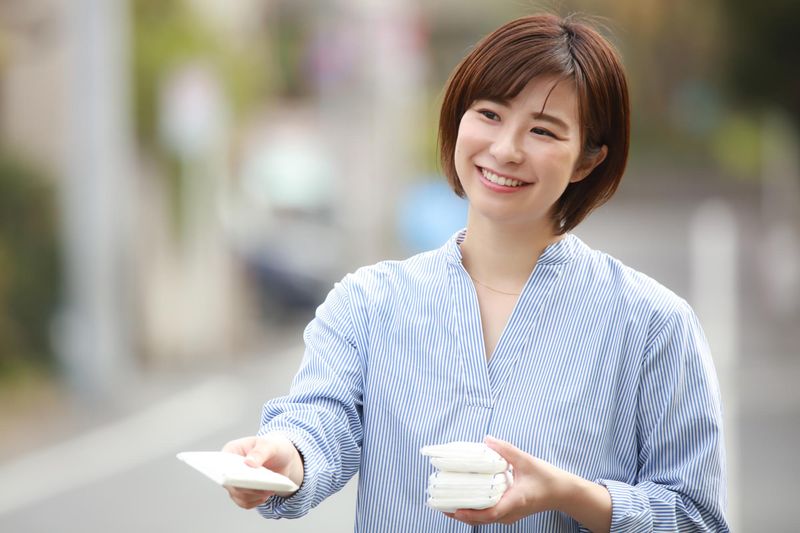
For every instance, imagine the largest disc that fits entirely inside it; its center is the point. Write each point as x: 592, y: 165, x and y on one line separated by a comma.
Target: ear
x: 589, y: 164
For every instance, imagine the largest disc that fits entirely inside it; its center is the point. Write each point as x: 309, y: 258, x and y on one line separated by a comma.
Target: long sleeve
x: 322, y: 414
x: 681, y: 481
x: 600, y: 371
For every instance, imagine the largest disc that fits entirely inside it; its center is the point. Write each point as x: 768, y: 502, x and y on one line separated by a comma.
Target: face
x: 514, y: 159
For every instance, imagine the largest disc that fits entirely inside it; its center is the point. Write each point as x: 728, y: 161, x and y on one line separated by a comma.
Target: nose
x: 506, y: 147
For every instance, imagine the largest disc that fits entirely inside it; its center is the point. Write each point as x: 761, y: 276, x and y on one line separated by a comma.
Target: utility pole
x: 93, y: 333
x: 714, y: 260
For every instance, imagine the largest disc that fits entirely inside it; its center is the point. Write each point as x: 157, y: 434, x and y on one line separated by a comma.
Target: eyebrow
x: 551, y: 119
x: 539, y: 115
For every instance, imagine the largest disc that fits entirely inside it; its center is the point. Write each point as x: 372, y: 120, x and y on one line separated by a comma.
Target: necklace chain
x: 492, y: 288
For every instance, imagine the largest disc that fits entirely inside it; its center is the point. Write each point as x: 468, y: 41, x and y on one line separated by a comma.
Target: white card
x: 450, y: 505
x: 462, y: 456
x: 229, y: 469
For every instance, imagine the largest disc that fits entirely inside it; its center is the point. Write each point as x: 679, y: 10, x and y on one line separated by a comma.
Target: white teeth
x: 500, y: 180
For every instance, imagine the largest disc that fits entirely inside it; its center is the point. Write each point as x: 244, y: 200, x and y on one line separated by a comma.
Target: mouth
x: 502, y: 181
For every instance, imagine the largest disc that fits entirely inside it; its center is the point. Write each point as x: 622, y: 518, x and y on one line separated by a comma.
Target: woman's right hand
x: 272, y: 451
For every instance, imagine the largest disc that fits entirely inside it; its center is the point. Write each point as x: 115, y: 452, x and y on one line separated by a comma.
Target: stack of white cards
x: 469, y: 475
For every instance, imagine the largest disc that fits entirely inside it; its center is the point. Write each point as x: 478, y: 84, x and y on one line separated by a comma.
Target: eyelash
x: 542, y: 131
x: 491, y: 115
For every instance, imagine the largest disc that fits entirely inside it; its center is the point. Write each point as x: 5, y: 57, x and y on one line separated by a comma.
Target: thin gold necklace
x: 492, y: 288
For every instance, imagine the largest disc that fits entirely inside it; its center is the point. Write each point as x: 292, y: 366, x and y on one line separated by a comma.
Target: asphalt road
x: 123, y: 477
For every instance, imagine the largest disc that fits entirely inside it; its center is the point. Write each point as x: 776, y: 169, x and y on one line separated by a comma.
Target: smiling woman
x: 514, y: 162
x: 597, y: 379
x: 572, y: 58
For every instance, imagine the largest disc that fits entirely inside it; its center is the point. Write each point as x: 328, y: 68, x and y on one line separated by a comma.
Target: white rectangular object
x: 229, y: 469
x: 459, y: 456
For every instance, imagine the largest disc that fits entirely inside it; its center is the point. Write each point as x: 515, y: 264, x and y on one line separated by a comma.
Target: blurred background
x: 182, y: 181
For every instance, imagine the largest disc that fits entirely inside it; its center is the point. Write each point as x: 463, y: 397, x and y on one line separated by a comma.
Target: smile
x: 501, y: 180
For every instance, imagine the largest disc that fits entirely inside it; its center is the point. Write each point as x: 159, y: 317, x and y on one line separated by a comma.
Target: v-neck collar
x: 561, y: 251
x: 484, y: 380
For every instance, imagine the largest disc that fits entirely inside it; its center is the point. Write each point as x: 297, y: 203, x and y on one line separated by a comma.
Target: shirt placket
x: 468, y: 339
x: 522, y: 322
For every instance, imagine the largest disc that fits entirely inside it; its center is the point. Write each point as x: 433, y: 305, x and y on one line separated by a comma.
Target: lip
x: 500, y: 188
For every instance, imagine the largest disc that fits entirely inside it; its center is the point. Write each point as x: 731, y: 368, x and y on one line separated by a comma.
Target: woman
x: 597, y: 379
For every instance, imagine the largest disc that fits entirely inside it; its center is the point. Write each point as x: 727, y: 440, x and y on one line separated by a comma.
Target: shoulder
x: 392, y: 275
x: 668, y: 333
x: 608, y: 277
x: 378, y: 293
x: 390, y: 286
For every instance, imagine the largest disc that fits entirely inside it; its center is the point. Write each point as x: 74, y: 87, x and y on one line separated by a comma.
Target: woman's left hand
x: 538, y: 486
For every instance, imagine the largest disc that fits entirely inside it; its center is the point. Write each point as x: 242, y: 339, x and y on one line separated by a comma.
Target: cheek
x: 459, y: 144
x: 462, y: 149
x: 468, y: 137
x: 560, y: 158
x: 461, y: 162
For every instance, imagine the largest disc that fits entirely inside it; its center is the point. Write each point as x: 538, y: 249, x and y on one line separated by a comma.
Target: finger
x: 507, y: 451
x: 260, y: 453
x: 255, y: 502
x: 462, y: 520
x: 248, y: 498
x: 249, y: 503
x: 249, y: 493
x: 454, y: 517
x: 501, y: 510
x: 239, y: 446
x: 473, y: 517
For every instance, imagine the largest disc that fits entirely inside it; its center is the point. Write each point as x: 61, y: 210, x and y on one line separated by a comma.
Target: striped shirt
x: 600, y: 371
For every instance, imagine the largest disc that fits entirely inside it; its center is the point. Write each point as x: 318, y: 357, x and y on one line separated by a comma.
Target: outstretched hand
x: 274, y: 452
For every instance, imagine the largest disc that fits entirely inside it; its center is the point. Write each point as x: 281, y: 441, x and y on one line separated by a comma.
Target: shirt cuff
x: 630, y: 508
x: 299, y: 503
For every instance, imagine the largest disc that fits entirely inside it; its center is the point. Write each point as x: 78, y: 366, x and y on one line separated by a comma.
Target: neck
x: 503, y: 256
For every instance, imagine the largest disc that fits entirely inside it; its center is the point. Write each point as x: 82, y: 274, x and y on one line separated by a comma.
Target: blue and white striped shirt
x: 600, y: 371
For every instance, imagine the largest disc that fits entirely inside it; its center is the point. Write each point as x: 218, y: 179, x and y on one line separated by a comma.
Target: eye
x: 542, y: 131
x: 491, y: 115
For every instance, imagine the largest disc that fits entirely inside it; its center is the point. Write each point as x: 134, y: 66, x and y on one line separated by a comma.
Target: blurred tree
x: 761, y: 62
x: 169, y: 34
x: 30, y: 273
x: 671, y: 51
x: 289, y: 25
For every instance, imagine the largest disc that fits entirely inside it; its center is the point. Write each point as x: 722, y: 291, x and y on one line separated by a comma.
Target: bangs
x: 507, y: 75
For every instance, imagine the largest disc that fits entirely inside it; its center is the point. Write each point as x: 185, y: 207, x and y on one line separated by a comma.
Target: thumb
x: 258, y: 454
x: 254, y: 459
x: 507, y: 451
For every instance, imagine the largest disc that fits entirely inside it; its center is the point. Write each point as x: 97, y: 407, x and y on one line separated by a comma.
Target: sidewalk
x: 127, y: 451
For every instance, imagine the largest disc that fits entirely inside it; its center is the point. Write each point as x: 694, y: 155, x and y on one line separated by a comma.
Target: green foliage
x: 30, y: 267
x: 761, y: 61
x: 168, y: 34
x: 737, y: 146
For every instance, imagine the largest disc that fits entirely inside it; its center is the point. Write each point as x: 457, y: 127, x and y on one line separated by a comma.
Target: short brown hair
x: 502, y: 64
